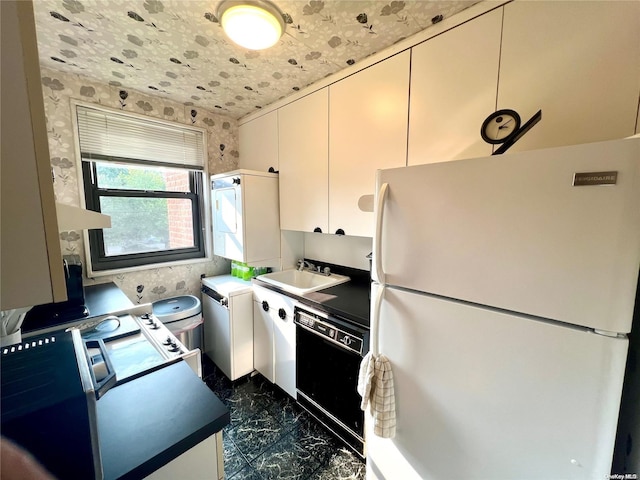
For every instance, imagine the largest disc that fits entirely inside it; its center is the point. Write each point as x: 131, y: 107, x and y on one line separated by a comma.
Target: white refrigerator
x: 503, y: 291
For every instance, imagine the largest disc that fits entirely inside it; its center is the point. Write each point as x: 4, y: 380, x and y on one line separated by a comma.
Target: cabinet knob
x: 282, y: 313
x: 265, y: 305
x: 339, y: 231
x: 317, y: 230
x: 236, y: 181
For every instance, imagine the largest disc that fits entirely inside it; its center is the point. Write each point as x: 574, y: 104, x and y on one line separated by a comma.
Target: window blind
x: 105, y: 135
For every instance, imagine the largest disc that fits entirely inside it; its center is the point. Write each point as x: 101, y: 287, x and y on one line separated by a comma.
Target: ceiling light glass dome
x: 252, y: 24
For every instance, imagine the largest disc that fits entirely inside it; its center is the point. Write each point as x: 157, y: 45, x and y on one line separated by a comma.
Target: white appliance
x: 502, y: 296
x: 246, y: 218
x: 227, y: 308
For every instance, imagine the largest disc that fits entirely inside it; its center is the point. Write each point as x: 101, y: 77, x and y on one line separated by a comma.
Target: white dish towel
x: 375, y: 382
x: 375, y: 386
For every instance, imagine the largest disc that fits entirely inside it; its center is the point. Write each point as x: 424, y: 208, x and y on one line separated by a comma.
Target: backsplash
x: 222, y: 140
x: 340, y: 250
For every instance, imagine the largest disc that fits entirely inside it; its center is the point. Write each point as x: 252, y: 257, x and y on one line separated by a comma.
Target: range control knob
x: 346, y: 340
x: 154, y: 326
x: 168, y: 341
x: 282, y: 313
x: 145, y: 316
x: 224, y: 302
x: 265, y: 305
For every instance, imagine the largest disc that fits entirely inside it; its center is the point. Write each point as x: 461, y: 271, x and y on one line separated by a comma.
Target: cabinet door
x: 262, y: 341
x: 368, y: 115
x: 453, y: 89
x: 284, y: 344
x: 217, y: 334
x: 32, y: 271
x: 576, y: 61
x: 201, y: 461
x: 258, y: 143
x: 241, y: 322
x: 304, y: 155
x: 228, y: 236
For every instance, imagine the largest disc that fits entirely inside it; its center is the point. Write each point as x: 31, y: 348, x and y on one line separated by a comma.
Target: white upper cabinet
x: 368, y: 115
x: 258, y: 140
x: 453, y: 89
x: 578, y: 62
x: 304, y: 162
x: 32, y: 271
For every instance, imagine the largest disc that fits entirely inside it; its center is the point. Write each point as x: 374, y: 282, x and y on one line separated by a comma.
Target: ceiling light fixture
x: 252, y: 24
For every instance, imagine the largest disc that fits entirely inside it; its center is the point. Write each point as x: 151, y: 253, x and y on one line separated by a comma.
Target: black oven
x: 328, y: 355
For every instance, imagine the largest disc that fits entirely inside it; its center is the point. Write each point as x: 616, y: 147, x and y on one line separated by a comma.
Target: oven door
x: 327, y: 377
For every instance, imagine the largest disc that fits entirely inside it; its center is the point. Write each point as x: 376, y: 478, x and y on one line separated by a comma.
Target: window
x: 149, y: 178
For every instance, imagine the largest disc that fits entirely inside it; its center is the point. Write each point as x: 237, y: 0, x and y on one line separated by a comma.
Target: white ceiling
x: 176, y: 48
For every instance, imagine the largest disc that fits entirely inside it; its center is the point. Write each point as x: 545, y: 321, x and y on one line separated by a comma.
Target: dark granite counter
x: 100, y: 299
x: 146, y: 423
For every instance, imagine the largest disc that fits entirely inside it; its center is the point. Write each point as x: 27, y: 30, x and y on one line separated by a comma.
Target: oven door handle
x: 109, y: 379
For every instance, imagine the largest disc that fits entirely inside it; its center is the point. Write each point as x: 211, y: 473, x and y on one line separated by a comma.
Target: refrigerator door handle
x: 377, y: 240
x: 375, y: 319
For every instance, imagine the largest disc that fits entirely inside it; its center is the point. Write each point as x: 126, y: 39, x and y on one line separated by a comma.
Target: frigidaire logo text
x: 595, y: 178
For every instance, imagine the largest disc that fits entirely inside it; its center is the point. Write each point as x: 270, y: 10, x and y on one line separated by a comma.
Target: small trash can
x: 183, y: 317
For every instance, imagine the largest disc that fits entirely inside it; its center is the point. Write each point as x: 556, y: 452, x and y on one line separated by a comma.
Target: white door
x: 217, y: 334
x: 449, y: 103
x: 581, y: 69
x: 284, y: 344
x: 368, y: 117
x: 481, y: 394
x: 304, y: 163
x: 263, y: 341
x: 227, y: 223
x: 510, y: 231
x: 258, y: 143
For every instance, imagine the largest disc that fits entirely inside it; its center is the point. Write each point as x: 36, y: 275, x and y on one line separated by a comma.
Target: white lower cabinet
x: 274, y: 338
x: 228, y: 338
x: 262, y: 339
x: 202, y: 461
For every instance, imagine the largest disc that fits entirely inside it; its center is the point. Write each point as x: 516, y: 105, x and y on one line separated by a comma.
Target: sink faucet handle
x: 327, y: 271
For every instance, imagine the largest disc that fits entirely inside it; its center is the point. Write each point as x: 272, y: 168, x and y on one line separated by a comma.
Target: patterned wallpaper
x: 176, y: 49
x: 222, y: 139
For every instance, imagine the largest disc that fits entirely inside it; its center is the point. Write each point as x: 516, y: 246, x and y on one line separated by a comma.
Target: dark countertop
x: 100, y: 299
x: 104, y: 298
x: 146, y: 423
x: 350, y: 300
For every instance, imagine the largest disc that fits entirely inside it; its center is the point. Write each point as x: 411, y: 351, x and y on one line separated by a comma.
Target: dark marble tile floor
x: 270, y: 437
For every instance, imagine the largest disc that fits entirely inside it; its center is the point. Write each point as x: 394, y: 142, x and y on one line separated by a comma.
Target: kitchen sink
x: 300, y: 282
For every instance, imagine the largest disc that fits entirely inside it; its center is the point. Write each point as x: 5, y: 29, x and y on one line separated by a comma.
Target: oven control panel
x: 322, y: 327
x: 162, y: 335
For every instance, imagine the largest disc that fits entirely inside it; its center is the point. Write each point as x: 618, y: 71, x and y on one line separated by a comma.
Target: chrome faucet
x: 302, y: 264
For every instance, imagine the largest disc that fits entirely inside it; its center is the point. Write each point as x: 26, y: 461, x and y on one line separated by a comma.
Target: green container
x: 234, y: 268
x: 247, y: 273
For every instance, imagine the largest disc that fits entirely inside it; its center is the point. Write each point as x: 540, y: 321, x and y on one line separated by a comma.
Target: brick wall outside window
x: 180, y: 215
